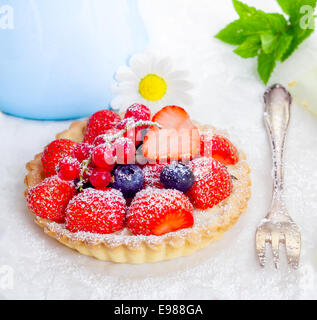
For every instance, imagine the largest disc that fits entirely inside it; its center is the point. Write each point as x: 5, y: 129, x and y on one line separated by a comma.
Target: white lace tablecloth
x: 228, y: 95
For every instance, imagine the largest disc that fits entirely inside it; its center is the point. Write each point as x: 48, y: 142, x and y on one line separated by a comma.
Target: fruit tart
x: 137, y: 188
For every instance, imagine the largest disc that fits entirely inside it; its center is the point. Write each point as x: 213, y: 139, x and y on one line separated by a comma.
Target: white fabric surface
x: 228, y: 95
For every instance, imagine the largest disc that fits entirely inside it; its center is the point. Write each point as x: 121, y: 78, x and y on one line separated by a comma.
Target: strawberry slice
x: 178, y: 139
x: 219, y: 148
x: 159, y: 211
x: 173, y: 117
x: 173, y: 222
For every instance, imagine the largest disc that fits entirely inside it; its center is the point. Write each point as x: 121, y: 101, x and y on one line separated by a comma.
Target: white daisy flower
x: 150, y: 81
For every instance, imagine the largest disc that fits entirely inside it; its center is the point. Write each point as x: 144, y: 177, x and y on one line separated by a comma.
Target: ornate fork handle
x: 277, y: 117
x: 278, y: 226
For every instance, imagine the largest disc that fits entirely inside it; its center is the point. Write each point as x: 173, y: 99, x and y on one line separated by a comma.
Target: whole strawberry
x: 138, y: 112
x: 212, y: 183
x: 54, y: 152
x: 219, y: 148
x: 99, y: 123
x: 96, y: 211
x: 50, y: 198
x: 157, y: 211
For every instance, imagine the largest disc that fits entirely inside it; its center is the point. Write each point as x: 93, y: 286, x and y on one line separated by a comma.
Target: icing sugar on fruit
x: 96, y: 196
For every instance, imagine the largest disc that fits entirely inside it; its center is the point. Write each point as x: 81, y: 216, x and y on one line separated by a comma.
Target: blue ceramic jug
x: 58, y: 57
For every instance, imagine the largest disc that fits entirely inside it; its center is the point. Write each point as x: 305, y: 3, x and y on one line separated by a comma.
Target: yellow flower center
x: 152, y: 87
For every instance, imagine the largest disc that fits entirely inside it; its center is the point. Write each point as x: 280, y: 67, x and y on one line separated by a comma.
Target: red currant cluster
x: 93, y: 163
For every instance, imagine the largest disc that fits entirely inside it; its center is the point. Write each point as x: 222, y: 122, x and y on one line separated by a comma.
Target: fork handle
x: 277, y: 116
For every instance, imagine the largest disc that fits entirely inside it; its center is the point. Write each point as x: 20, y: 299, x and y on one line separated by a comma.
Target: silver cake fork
x: 278, y: 226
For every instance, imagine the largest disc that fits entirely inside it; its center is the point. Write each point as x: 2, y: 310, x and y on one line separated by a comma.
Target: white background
x: 228, y: 94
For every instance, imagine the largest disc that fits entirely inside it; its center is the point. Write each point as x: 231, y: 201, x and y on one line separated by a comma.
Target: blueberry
x: 177, y: 176
x: 128, y: 179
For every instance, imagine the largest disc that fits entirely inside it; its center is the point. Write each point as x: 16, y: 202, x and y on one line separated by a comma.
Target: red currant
x: 100, y: 178
x: 82, y: 151
x: 103, y: 156
x: 68, y: 168
x: 125, y: 151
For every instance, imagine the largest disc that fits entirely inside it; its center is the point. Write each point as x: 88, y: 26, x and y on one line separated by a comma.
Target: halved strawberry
x: 219, y: 148
x: 157, y: 211
x: 173, y: 117
x: 178, y: 139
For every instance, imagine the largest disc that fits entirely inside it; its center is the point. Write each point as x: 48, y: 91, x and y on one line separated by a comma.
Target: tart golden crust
x: 123, y: 247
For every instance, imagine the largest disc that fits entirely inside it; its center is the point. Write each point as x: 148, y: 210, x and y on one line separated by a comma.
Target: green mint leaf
x: 293, y: 7
x: 243, y: 10
x: 300, y: 29
x: 266, y: 65
x: 286, y: 5
x: 232, y: 33
x: 249, y: 48
x: 283, y: 45
x: 277, y: 22
x: 269, y: 42
x: 298, y: 37
x: 274, y: 21
x: 256, y: 24
x: 270, y: 36
x: 239, y: 30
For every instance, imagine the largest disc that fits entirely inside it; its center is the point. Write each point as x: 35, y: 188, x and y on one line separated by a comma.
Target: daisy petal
x: 125, y: 74
x: 123, y: 102
x: 162, y: 67
x: 181, y: 84
x: 178, y: 75
x: 126, y: 87
x: 140, y: 65
x: 117, y: 102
